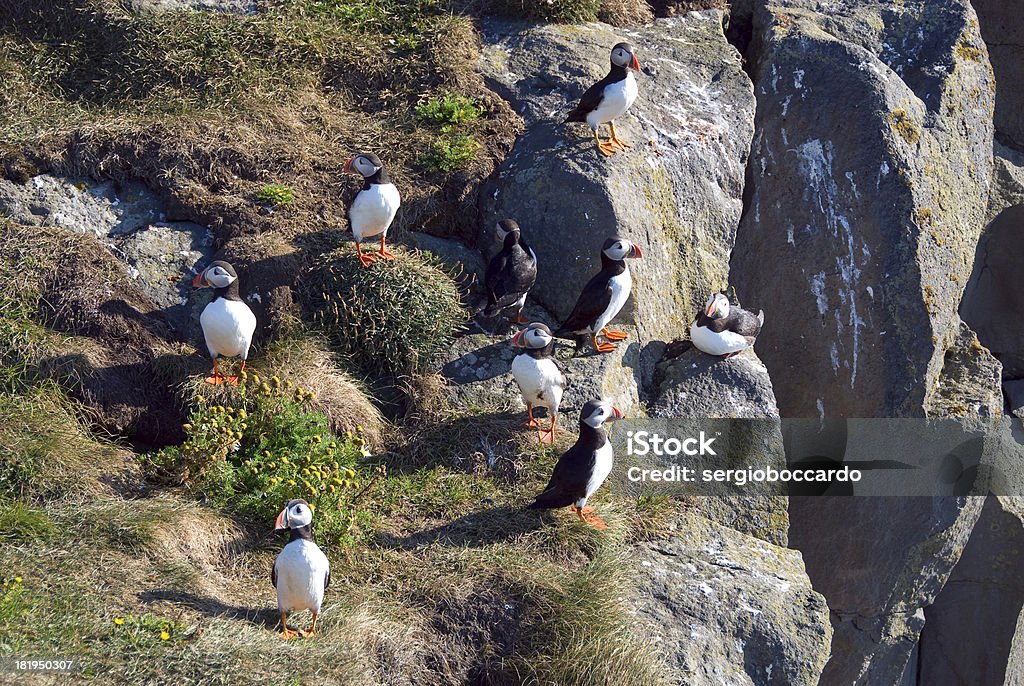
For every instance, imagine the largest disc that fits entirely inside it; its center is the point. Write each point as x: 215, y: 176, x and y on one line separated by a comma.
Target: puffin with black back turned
x: 603, y: 297
x: 228, y: 323
x: 301, y: 572
x: 374, y: 207
x: 721, y: 329
x: 610, y: 98
x: 582, y: 469
x: 511, y: 273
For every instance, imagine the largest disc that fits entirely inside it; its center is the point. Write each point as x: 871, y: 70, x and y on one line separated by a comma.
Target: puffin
x: 603, y: 296
x: 228, y: 323
x: 301, y: 571
x: 609, y: 98
x: 511, y: 273
x: 374, y: 207
x: 582, y: 469
x: 721, y: 329
x: 540, y: 378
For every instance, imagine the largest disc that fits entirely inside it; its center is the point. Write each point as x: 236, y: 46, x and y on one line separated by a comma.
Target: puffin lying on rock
x: 721, y: 329
x: 603, y: 296
x: 374, y: 207
x: 582, y: 469
x: 609, y: 98
x: 301, y: 572
x: 540, y: 378
x: 511, y: 273
x: 228, y: 323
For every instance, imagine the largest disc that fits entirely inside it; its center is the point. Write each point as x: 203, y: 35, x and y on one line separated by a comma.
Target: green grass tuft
x: 451, y: 109
x: 450, y: 152
x: 276, y: 194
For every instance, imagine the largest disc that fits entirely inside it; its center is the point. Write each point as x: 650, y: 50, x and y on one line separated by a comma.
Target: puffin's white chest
x: 228, y: 326
x: 301, y: 576
x: 603, y: 459
x: 373, y: 210
x: 618, y: 98
x: 540, y: 381
x: 713, y: 343
x: 620, y: 285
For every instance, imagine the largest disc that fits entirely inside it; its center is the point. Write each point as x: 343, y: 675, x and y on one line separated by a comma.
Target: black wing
x: 273, y: 574
x: 327, y: 578
x: 592, y: 303
x: 590, y: 100
x: 509, y: 277
x: 569, y: 480
x: 744, y: 323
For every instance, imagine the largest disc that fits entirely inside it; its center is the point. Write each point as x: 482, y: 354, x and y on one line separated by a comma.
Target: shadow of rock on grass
x: 474, y: 530
x: 264, y: 617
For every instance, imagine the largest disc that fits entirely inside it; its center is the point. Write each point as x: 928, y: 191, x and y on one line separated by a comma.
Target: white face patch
x: 717, y: 306
x: 621, y: 58
x: 365, y: 166
x: 536, y: 339
x: 597, y: 417
x: 618, y: 250
x: 299, y: 515
x: 500, y: 230
x: 218, y: 277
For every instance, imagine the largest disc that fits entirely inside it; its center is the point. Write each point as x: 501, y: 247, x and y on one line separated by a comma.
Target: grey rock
x: 870, y: 174
x: 163, y: 258
x: 479, y: 374
x: 879, y: 561
x: 726, y: 608
x: 155, y: 6
x: 975, y: 628
x: 696, y: 385
x: 993, y: 303
x: 1014, y: 391
x: 1007, y: 180
x: 102, y: 209
x: 969, y: 386
x: 1002, y: 26
x: 676, y: 192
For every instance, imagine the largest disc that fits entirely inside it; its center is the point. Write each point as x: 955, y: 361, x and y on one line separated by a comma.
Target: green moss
x: 904, y: 126
x: 276, y: 194
x: 451, y: 109
x: 450, y: 152
x: 968, y: 52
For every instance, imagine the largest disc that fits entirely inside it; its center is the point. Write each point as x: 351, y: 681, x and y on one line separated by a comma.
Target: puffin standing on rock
x: 721, y: 329
x: 603, y: 296
x: 228, y: 323
x: 540, y: 378
x: 582, y: 469
x: 374, y: 207
x: 511, y: 273
x: 610, y: 98
x: 301, y: 572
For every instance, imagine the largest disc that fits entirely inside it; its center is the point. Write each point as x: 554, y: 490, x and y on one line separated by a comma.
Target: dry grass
x: 626, y: 12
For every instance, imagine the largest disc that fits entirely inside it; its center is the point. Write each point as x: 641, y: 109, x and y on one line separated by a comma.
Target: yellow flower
x: 284, y: 460
x: 164, y: 635
x: 119, y: 620
x: 17, y: 579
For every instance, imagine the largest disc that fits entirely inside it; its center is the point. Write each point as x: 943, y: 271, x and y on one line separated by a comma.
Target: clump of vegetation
x: 262, y: 448
x: 451, y: 109
x: 276, y: 195
x: 559, y: 11
x: 904, y: 126
x: 450, y: 152
x: 391, y: 319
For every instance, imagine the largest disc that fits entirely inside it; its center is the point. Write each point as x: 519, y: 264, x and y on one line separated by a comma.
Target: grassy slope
x: 445, y: 579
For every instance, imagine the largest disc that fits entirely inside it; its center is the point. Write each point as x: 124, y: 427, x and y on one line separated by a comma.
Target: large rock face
x: 1002, y: 26
x: 730, y: 609
x: 870, y: 176
x: 974, y: 633
x: 879, y: 561
x: 676, y: 193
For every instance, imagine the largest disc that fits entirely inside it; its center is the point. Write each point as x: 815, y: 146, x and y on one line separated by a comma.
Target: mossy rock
x: 393, y: 318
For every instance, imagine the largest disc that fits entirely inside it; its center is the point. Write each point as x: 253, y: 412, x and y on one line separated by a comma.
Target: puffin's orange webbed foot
x: 607, y: 148
x: 286, y: 633
x: 518, y: 319
x: 233, y: 380
x: 604, y: 347
x: 613, y: 335
x: 385, y: 254
x: 215, y: 380
x: 595, y: 521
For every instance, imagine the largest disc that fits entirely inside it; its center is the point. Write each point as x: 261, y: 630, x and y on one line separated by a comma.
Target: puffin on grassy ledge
x: 301, y: 571
x: 228, y: 324
x: 540, y: 378
x: 374, y: 207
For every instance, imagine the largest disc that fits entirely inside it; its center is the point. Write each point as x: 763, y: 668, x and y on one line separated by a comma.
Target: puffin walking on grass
x: 228, y: 323
x: 540, y: 378
x: 721, y: 329
x: 609, y: 98
x: 511, y: 273
x: 374, y: 207
x: 603, y: 296
x: 582, y: 469
x: 301, y: 572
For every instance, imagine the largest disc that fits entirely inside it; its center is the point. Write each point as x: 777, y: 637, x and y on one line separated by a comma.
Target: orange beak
x: 517, y: 340
x: 636, y: 64
x: 618, y: 412
x: 635, y: 252
x: 710, y: 310
x: 348, y: 165
x: 198, y: 281
x: 280, y: 523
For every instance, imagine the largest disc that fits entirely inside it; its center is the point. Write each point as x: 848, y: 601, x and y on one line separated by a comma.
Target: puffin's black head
x: 597, y: 412
x: 623, y: 56
x: 506, y: 228
x: 219, y: 274
x: 617, y: 249
x: 717, y: 306
x: 533, y: 337
x: 366, y: 164
x: 295, y: 515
